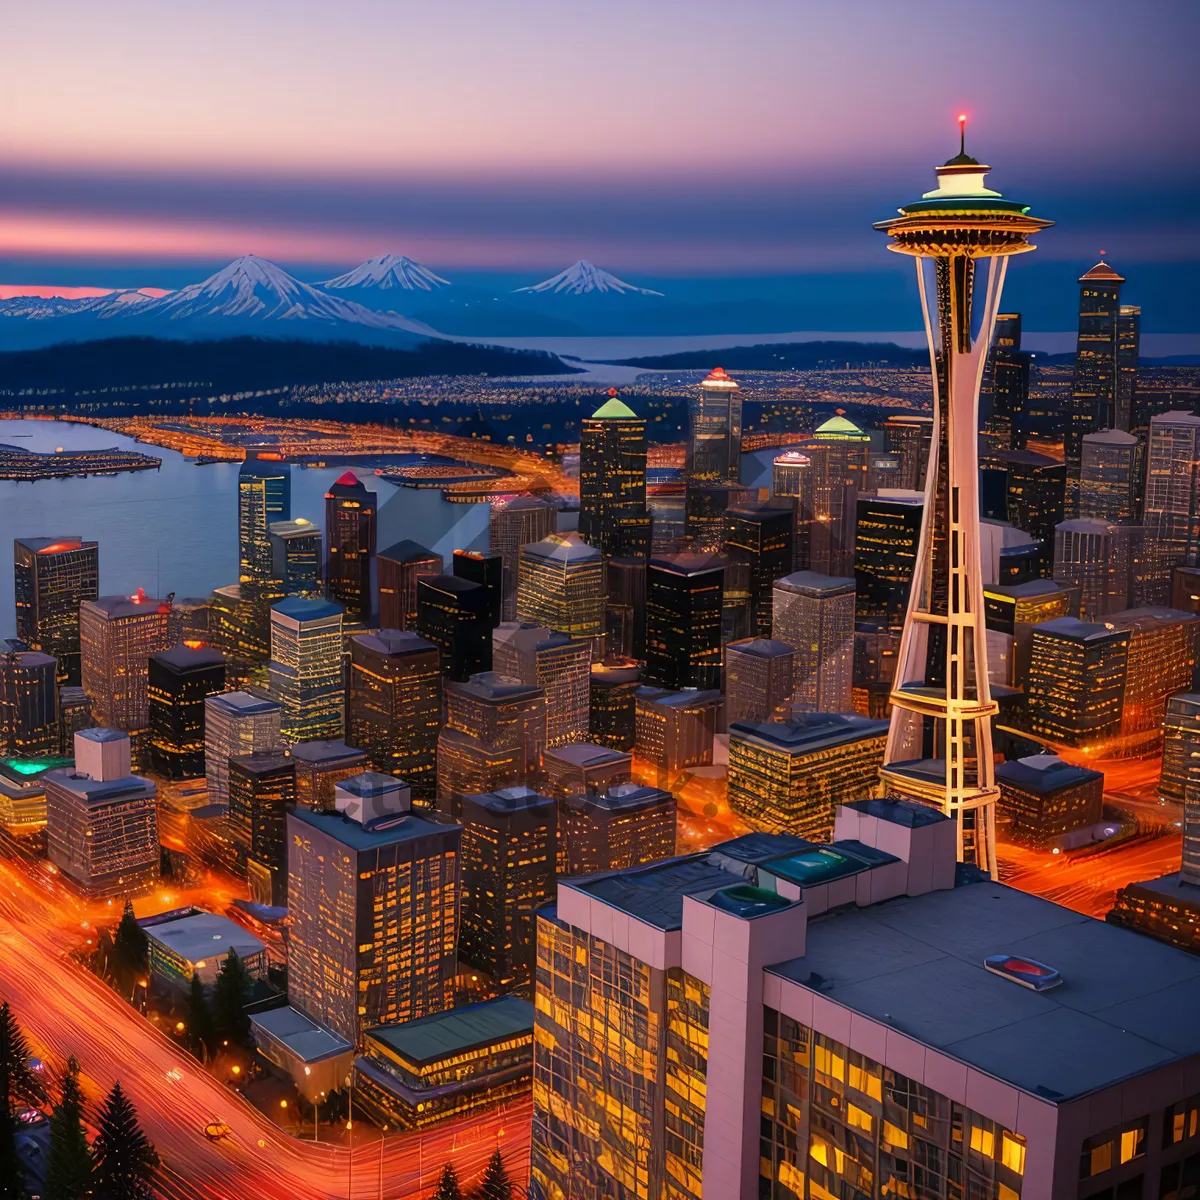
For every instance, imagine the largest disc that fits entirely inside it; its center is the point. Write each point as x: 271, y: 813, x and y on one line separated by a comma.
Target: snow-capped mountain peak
x: 388, y: 271
x: 583, y: 277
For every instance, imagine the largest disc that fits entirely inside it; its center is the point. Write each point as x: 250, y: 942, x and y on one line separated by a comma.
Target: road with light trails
x: 64, y: 1009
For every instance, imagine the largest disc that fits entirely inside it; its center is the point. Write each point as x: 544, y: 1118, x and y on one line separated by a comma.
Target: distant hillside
x: 782, y: 356
x: 248, y: 364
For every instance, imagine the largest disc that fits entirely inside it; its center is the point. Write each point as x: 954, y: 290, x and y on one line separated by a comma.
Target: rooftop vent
x: 1035, y: 976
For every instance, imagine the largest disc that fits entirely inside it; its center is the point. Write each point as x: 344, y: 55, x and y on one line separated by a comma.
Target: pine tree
x: 12, y: 1177
x: 16, y: 1082
x: 69, y: 1163
x: 447, y: 1188
x: 229, y: 1000
x: 200, y: 1018
x: 496, y: 1185
x: 125, y: 1159
x: 130, y: 947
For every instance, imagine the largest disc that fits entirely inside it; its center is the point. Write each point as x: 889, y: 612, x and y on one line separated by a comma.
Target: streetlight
x: 350, y: 1130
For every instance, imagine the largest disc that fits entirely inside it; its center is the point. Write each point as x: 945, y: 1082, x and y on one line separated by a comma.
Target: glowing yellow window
x: 819, y: 1152
x: 896, y: 1138
x: 1132, y: 1144
x: 1012, y: 1152
x: 1006, y: 1193
x: 858, y: 1119
x: 983, y: 1141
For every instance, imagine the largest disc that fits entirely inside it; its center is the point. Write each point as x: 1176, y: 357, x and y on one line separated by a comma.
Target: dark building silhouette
x: 350, y: 545
x: 684, y: 601
x: 28, y: 705
x: 612, y: 715
x: 885, y: 552
x: 453, y: 613
x: 264, y: 496
x: 625, y: 609
x: 610, y: 831
x: 262, y: 790
x: 296, y: 557
x: 612, y: 480
x: 487, y: 570
x: 758, y: 550
x: 180, y: 679
x: 1024, y: 488
x: 398, y: 568
x: 1005, y: 390
x: 51, y: 578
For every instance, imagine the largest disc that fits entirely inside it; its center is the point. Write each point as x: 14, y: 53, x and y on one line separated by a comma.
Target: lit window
x: 858, y: 1119
x: 983, y: 1141
x: 896, y: 1138
x: 1012, y: 1152
x: 1133, y: 1143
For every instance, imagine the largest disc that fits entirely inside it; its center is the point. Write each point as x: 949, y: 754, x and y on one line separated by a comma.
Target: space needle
x: 939, y: 747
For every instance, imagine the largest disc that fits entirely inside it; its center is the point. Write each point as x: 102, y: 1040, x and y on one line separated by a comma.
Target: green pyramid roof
x: 839, y: 425
x: 614, y: 410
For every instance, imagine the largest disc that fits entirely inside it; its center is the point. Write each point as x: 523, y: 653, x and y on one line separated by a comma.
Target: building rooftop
x: 492, y: 685
x: 301, y: 609
x: 300, y: 527
x: 1175, y: 417
x: 261, y: 762
x: 689, y: 563
x: 326, y: 751
x: 654, y: 893
x: 1173, y: 887
x: 1142, y: 620
x: 623, y: 798
x: 406, y: 827
x: 614, y: 409
x: 586, y: 754
x: 838, y: 427
x: 1111, y: 437
x: 808, y: 733
x: 97, y: 734
x: 506, y: 801
x: 1043, y: 773
x: 187, y: 658
x: 55, y: 545
x: 813, y: 582
x: 908, y: 813
x: 1091, y: 525
x: 407, y: 551
x: 688, y: 698
x: 1029, y: 590
x: 394, y: 642
x: 243, y: 703
x: 371, y: 783
x: 307, y: 1040
x: 1102, y: 271
x: 454, y: 584
x: 137, y: 605
x: 760, y: 648
x: 101, y: 791
x: 562, y: 548
x: 457, y: 1030
x: 1072, y: 627
x: 916, y: 964
x: 202, y: 936
x: 718, y: 378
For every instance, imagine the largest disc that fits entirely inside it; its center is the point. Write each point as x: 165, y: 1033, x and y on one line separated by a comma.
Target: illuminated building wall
x: 793, y: 477
x: 28, y: 704
x: 613, y: 829
x: 714, y: 446
x: 814, y: 614
x: 1109, y: 476
x: 74, y: 714
x: 180, y: 680
x: 117, y: 636
x: 787, y: 777
x: 51, y: 578
x: 1091, y: 556
x: 561, y: 586
x: 885, y: 552
x: 306, y: 668
x: 1012, y: 610
x: 350, y: 546
x: 1129, y: 348
x: 704, y: 514
x: 395, y: 706
x: 236, y: 723
x: 759, y: 679
x: 514, y: 522
x: 398, y: 568
x: 676, y: 729
x: 612, y: 480
x: 452, y: 613
x: 1165, y: 909
x: 1045, y: 798
x: 485, y: 570
x: 509, y: 850
x: 558, y: 665
x: 684, y: 602
x: 1076, y: 682
x: 1171, y: 508
x: 264, y: 496
x: 909, y: 435
x: 758, y: 550
x: 581, y: 767
x: 1032, y: 485
x: 1181, y: 745
x: 322, y: 765
x: 296, y: 556
x: 262, y: 788
x: 1005, y: 387
x: 625, y: 608
x: 374, y: 916
x: 612, y: 707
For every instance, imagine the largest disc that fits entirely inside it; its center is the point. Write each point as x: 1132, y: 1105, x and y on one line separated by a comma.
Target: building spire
x: 962, y: 134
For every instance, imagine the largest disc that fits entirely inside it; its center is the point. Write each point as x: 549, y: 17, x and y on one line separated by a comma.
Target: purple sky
x: 658, y: 138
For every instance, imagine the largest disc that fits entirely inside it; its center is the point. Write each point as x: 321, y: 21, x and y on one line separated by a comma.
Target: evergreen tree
x: 16, y: 1083
x: 69, y: 1164
x: 496, y: 1185
x: 12, y: 1177
x: 201, y: 1029
x: 447, y: 1188
x: 130, y: 947
x: 125, y: 1159
x: 229, y: 1000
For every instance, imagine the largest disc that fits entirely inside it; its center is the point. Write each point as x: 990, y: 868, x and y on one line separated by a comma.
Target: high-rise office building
x: 453, y: 613
x: 612, y: 480
x: 117, y: 636
x: 909, y: 434
x: 320, y: 766
x: 684, y: 602
x: 793, y: 477
x: 960, y: 237
x: 617, y: 829
x: 74, y: 714
x: 705, y: 506
x: 714, y: 446
x: 52, y: 577
x: 394, y: 709
x: 885, y: 472
x: 398, y: 569
x: 236, y: 723
x: 760, y: 676
x: 373, y: 900
x: 264, y: 496
x: 513, y: 522
x: 28, y: 705
x: 101, y: 819
x: 749, y: 1074
x: 1108, y: 475
x: 485, y: 569
x: 758, y: 550
x: 306, y: 668
x: 788, y: 776
x: 1005, y: 388
x: 1045, y: 799
x: 557, y: 664
x: 1094, y: 391
x: 885, y: 553
x: 814, y: 614
x: 350, y: 546
x: 296, y: 557
x: 1172, y: 503
x: 1129, y: 348
x: 841, y: 450
x: 577, y: 769
x: 262, y: 789
x: 1093, y: 557
x: 1077, y: 681
x: 509, y: 852
x: 624, y: 610
x: 561, y: 586
x: 675, y: 730
x: 1181, y: 746
x: 493, y: 737
x: 1028, y: 489
x: 179, y: 683
x: 612, y: 707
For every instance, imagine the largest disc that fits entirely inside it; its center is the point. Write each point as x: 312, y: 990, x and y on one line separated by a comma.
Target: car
x: 217, y: 1130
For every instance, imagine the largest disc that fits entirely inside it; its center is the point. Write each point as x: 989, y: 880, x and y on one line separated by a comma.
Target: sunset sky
x: 141, y: 142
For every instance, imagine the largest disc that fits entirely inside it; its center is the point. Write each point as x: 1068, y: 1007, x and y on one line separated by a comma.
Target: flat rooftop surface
x: 428, y: 1039
x: 351, y: 833
x: 307, y: 1040
x: 204, y: 936
x: 1127, y: 1003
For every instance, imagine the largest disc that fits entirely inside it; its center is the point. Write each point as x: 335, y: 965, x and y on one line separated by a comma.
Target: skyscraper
x: 558, y: 665
x: 180, y: 681
x: 676, y: 730
x: 236, y: 723
x: 395, y: 706
x: 612, y: 480
x: 885, y: 553
x: 264, y: 496
x: 625, y: 606
x: 579, y: 768
x: 960, y: 235
x: 1108, y: 475
x: 615, y: 829
x: 561, y: 586
x: 908, y: 434
x: 1129, y: 347
x: 296, y: 557
x: 513, y: 522
x: 793, y: 477
x: 760, y: 675
x: 306, y: 668
x: 262, y: 788
x: 684, y: 600
x: 1172, y: 503
x: 320, y: 766
x: 758, y: 550
x: 453, y: 613
x: 51, y: 578
x: 373, y: 899
x: 612, y: 718
x: 714, y: 446
x: 28, y: 705
x: 844, y: 453
x: 1094, y: 392
x: 814, y: 614
x: 1092, y: 556
x: 1181, y: 746
x: 350, y: 545
x: 398, y: 569
x: 1006, y: 383
x: 485, y: 569
x: 1031, y: 485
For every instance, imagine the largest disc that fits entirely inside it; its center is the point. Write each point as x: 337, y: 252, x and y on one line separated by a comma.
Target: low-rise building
x: 314, y: 1058
x: 189, y: 942
x: 1045, y: 798
x: 581, y: 767
x: 676, y: 729
x: 624, y: 827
